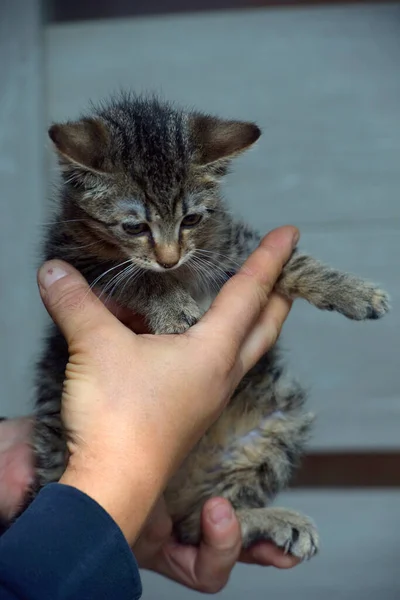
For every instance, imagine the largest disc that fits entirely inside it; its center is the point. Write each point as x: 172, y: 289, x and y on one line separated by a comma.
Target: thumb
x: 70, y: 301
x: 220, y: 546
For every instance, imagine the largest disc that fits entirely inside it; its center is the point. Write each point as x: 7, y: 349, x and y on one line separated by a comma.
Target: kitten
x: 142, y: 217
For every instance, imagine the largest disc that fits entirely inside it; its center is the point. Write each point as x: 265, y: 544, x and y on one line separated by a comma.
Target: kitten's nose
x: 167, y: 255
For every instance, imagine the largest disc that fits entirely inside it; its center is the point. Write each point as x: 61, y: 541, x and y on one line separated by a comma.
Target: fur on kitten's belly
x: 142, y: 217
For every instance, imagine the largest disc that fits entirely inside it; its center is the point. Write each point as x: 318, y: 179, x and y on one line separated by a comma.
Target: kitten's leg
x: 289, y: 530
x: 49, y: 440
x: 250, y: 471
x: 329, y: 289
x: 50, y: 449
x: 163, y: 301
x: 170, y: 309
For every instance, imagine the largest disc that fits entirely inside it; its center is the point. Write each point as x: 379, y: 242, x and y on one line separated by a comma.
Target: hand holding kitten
x: 135, y: 405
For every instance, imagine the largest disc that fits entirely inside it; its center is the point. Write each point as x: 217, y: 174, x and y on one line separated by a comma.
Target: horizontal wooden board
x: 76, y: 10
x: 361, y: 469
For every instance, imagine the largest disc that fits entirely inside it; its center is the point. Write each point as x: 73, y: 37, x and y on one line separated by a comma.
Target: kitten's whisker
x: 210, y: 273
x: 96, y: 281
x: 127, y: 275
x: 203, y: 282
x: 213, y: 267
x: 131, y: 278
x: 216, y: 253
x: 218, y: 275
x: 115, y: 278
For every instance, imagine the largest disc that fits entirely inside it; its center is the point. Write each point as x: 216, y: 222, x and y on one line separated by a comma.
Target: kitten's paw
x: 296, y: 535
x: 178, y: 322
x: 367, y: 302
x: 380, y: 304
x: 289, y: 530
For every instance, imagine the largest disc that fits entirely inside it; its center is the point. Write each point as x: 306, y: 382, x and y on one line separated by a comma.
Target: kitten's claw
x: 298, y: 540
x: 296, y: 534
x: 302, y: 544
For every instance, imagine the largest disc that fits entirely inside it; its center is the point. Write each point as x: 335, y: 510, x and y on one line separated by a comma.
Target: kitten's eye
x: 135, y: 228
x: 191, y: 220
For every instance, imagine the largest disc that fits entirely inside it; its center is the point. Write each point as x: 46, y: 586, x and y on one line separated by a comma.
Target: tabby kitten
x: 141, y: 216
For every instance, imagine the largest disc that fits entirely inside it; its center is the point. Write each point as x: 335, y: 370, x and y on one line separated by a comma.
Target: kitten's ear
x: 83, y: 144
x: 217, y: 139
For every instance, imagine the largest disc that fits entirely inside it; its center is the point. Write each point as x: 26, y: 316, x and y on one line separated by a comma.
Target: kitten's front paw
x: 177, y: 322
x: 367, y: 302
x: 379, y: 304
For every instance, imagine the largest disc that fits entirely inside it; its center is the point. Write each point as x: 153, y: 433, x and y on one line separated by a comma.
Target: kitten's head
x: 146, y: 177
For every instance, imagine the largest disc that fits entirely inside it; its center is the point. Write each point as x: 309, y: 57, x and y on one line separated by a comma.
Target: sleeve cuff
x: 65, y: 545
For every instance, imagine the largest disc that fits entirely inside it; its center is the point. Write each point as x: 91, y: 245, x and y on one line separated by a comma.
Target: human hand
x: 208, y: 567
x: 134, y: 406
x: 205, y: 569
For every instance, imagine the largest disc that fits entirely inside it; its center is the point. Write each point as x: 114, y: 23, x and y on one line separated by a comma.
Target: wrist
x: 127, y: 494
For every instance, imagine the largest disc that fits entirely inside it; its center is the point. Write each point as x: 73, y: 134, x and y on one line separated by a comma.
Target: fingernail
x: 220, y: 514
x: 49, y: 275
x: 296, y: 237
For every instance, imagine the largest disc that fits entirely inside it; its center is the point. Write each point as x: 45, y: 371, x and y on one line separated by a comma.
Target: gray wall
x: 325, y: 86
x: 23, y: 199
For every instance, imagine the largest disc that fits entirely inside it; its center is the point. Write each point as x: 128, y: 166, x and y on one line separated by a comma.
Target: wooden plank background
x: 75, y: 10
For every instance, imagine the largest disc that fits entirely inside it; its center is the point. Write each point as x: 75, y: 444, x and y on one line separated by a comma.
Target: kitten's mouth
x: 156, y: 267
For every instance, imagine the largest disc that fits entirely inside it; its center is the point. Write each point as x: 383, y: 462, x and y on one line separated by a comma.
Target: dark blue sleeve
x: 66, y: 546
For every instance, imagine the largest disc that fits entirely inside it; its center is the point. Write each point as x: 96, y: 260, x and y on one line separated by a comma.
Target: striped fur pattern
x: 140, y: 214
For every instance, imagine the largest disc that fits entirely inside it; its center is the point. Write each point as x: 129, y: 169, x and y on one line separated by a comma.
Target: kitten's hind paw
x: 289, y: 530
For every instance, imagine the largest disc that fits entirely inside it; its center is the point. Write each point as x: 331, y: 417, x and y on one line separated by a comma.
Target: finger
x: 243, y: 298
x: 16, y: 464
x: 265, y: 332
x: 69, y: 300
x: 220, y: 546
x: 207, y: 568
x: 268, y: 555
